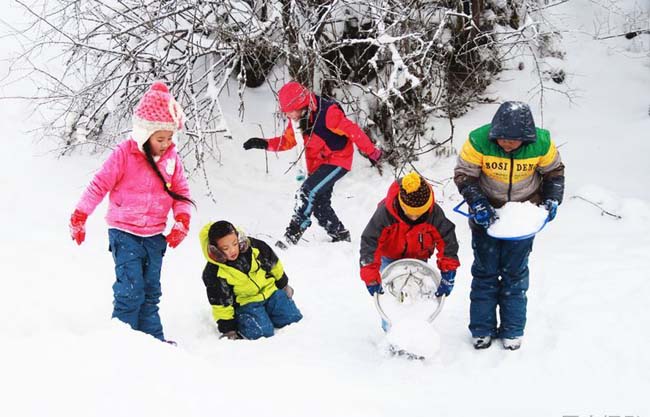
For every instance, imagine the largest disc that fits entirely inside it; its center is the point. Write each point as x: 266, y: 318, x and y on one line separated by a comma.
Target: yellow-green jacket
x: 253, y: 277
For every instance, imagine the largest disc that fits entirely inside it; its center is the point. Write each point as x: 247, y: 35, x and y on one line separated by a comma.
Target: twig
x: 602, y: 210
x: 628, y: 35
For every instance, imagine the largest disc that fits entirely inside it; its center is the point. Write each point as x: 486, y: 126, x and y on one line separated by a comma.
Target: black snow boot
x: 291, y: 236
x: 341, y: 236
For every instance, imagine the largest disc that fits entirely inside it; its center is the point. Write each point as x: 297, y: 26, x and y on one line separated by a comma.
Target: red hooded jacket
x: 330, y: 139
x: 390, y: 235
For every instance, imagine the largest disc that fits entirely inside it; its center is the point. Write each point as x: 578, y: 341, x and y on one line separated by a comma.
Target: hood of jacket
x: 212, y: 254
x: 513, y: 120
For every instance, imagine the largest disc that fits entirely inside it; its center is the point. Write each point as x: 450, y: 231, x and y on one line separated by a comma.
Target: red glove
x: 375, y: 155
x: 179, y: 231
x: 78, y: 226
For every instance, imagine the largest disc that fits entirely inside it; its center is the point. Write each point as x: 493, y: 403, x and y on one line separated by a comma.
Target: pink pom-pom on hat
x: 157, y: 110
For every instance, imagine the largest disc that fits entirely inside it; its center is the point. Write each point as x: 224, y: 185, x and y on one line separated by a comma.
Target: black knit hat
x: 415, y: 194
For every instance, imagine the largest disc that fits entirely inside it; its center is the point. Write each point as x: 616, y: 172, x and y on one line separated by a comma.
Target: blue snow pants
x: 255, y: 320
x: 136, y: 291
x: 500, y: 278
x: 315, y: 196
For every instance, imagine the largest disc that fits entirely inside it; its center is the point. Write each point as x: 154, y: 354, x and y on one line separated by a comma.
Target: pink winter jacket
x: 138, y: 202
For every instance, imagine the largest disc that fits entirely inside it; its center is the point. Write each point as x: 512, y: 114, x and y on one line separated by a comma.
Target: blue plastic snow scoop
x: 522, y: 237
x: 411, y: 273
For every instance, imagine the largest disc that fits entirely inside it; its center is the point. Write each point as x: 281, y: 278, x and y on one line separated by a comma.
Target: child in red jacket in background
x: 145, y: 180
x: 408, y: 224
x: 328, y: 136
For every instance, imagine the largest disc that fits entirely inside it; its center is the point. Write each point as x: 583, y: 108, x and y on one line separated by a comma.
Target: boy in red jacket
x: 328, y: 136
x: 408, y: 224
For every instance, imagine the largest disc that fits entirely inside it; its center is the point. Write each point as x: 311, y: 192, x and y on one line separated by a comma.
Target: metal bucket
x: 410, y: 280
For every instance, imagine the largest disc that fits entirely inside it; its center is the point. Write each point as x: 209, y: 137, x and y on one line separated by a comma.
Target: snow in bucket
x: 518, y: 219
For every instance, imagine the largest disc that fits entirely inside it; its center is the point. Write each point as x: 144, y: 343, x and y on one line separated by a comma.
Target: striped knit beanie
x: 415, y: 194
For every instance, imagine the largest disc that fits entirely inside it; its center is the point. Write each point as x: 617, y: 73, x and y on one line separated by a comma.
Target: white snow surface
x: 409, y: 328
x: 518, y: 219
x: 585, y: 347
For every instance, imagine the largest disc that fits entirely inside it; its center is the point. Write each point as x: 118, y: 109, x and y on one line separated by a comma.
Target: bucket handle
x: 459, y: 211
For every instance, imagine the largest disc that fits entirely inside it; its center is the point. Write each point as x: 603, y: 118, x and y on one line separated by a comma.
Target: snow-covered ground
x: 585, y: 350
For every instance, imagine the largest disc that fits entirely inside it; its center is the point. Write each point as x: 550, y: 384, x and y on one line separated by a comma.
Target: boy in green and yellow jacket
x: 507, y: 160
x: 242, y: 278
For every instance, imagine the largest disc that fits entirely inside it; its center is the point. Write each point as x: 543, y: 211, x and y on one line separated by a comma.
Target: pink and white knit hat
x: 157, y: 110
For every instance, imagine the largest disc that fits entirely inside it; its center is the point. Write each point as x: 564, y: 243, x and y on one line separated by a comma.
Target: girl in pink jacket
x: 145, y: 180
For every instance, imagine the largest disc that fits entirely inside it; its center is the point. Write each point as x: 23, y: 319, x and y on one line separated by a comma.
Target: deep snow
x: 584, y: 353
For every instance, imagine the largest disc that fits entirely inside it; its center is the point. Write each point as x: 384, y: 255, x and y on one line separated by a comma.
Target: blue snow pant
x: 255, y: 320
x: 136, y: 292
x: 315, y: 196
x: 500, y: 278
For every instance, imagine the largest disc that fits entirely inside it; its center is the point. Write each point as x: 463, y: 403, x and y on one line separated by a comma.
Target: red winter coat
x: 330, y: 140
x: 391, y: 236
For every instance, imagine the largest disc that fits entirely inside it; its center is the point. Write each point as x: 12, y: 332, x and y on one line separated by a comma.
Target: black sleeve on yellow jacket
x: 268, y: 260
x: 220, y: 293
x: 282, y: 282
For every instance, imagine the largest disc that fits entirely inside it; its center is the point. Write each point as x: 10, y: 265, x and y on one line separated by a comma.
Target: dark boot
x: 293, y: 233
x: 341, y: 236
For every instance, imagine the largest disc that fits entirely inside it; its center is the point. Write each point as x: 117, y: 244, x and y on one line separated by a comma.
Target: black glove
x: 256, y: 143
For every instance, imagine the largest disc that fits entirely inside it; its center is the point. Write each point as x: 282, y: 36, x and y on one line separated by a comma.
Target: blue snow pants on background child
x: 315, y: 196
x: 494, y: 258
x: 136, y: 292
x: 255, y: 320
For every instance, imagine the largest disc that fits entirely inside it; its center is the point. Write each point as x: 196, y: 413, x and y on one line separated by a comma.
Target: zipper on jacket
x: 259, y: 289
x: 250, y: 270
x: 512, y: 169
